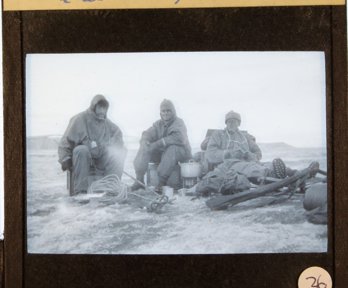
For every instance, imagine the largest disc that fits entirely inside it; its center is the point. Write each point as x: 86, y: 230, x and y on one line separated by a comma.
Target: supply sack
x: 223, y: 179
x: 317, y: 215
x: 315, y: 202
x: 251, y: 169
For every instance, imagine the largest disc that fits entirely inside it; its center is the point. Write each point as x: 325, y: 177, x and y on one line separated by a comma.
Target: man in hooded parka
x: 165, y: 142
x: 92, y: 140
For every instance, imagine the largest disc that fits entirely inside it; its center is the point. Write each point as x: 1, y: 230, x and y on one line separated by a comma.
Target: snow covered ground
x: 96, y: 224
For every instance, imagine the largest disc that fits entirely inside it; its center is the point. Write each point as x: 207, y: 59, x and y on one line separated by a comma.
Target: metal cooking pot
x: 190, y: 169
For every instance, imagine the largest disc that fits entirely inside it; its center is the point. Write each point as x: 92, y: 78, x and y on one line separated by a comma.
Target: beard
x: 101, y: 116
x: 232, y: 130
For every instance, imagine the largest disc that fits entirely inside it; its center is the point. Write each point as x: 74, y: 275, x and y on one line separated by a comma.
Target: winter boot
x: 313, y: 167
x: 161, y: 182
x: 279, y: 168
x: 136, y: 185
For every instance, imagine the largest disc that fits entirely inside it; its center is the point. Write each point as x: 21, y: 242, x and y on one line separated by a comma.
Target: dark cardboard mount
x: 319, y: 28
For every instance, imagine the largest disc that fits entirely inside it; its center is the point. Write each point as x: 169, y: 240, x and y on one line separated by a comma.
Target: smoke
x: 116, y: 159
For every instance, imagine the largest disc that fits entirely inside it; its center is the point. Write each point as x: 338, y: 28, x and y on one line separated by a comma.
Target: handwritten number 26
x: 316, y: 283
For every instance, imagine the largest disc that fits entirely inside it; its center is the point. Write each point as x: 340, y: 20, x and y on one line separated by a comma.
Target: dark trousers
x: 167, y: 160
x: 110, y: 162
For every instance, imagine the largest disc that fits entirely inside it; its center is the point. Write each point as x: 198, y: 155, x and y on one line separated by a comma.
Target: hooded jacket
x: 85, y: 127
x: 165, y: 133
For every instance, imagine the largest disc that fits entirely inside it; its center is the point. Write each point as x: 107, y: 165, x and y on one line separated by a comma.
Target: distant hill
x: 50, y: 142
x: 275, y: 146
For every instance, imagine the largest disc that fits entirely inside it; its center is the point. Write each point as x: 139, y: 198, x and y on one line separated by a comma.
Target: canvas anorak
x: 222, y: 141
x: 85, y: 128
x: 163, y: 135
x: 165, y: 143
x: 90, y: 141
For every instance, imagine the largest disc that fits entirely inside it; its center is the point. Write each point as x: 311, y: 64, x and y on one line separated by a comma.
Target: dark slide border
x: 320, y: 28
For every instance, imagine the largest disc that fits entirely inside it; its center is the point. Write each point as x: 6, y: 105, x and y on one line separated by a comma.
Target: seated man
x: 91, y: 140
x: 240, y: 148
x: 232, y: 143
x: 166, y: 143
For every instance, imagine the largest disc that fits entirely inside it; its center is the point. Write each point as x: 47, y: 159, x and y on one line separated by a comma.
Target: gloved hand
x: 67, y: 164
x: 249, y: 156
x: 150, y: 147
x: 237, y: 154
x: 144, y: 142
x: 94, y: 149
x: 227, y: 154
x: 155, y: 145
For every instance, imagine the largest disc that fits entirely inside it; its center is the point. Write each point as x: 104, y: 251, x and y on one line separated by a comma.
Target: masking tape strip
x: 22, y: 5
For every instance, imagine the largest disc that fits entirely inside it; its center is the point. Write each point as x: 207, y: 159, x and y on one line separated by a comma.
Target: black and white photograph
x: 176, y: 153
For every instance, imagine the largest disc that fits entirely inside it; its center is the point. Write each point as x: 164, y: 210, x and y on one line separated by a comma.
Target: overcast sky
x: 280, y: 95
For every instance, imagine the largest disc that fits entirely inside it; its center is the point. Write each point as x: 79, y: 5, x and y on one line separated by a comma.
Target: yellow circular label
x: 315, y: 277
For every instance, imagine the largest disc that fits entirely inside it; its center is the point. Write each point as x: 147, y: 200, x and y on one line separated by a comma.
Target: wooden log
x: 223, y: 201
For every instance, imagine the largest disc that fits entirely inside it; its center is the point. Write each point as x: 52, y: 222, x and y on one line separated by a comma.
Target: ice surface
x: 95, y: 224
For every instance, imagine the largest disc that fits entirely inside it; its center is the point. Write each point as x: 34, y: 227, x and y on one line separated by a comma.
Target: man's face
x: 232, y: 125
x: 100, y: 111
x: 166, y: 114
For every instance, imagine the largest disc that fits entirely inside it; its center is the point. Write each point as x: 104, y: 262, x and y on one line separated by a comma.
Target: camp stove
x: 188, y: 182
x: 190, y: 171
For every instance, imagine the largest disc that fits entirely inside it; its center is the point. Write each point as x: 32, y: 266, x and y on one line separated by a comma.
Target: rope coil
x: 113, y: 186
